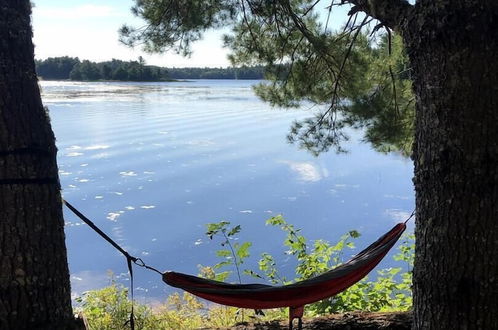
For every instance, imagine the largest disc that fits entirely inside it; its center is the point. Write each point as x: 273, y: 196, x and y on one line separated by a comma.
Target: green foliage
x: 56, y: 67
x: 268, y: 266
x: 62, y: 68
x: 109, y: 308
x: 359, y: 76
x: 242, y: 72
x: 313, y: 259
x: 390, y: 291
x: 384, y: 106
x: 180, y: 312
x: 231, y: 254
x: 176, y: 24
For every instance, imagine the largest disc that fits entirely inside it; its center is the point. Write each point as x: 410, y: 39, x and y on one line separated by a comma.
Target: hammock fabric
x: 260, y: 296
x: 296, y: 295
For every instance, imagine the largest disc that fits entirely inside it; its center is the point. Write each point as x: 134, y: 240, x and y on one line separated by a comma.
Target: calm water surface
x: 152, y: 163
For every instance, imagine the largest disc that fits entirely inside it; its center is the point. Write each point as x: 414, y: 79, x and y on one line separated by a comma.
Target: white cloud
x: 113, y: 216
x: 97, y: 147
x: 306, y: 171
x: 397, y: 215
x: 117, y: 233
x: 128, y: 173
x: 74, y: 154
x: 77, y: 12
x: 91, y: 32
x: 397, y: 197
x: 345, y: 186
x: 87, y: 280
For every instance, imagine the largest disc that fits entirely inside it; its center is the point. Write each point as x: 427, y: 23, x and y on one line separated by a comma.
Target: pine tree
x: 437, y: 88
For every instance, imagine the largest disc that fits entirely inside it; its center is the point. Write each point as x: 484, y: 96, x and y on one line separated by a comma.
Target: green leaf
x: 221, y: 264
x: 277, y: 220
x: 234, y: 230
x: 223, y: 253
x: 354, y: 234
x: 222, y: 277
x: 243, y: 250
x: 215, y: 227
x: 252, y: 273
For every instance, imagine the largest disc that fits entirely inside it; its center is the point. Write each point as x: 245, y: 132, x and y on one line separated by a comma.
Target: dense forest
x: 71, y: 68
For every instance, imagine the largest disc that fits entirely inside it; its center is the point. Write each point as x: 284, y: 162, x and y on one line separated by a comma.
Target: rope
x: 98, y: 230
x: 130, y: 260
x: 132, y: 313
x: 411, y: 216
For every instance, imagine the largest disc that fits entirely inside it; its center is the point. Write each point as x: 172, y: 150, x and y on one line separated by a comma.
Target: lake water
x: 152, y: 163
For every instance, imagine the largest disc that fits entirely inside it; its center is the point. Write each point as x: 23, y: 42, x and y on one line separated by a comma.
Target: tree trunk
x: 453, y: 49
x: 34, y: 277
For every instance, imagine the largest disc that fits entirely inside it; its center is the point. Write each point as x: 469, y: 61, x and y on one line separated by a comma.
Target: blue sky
x: 88, y: 29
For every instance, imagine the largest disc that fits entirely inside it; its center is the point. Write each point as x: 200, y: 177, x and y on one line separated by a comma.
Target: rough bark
x: 390, y: 12
x: 453, y: 49
x: 34, y: 277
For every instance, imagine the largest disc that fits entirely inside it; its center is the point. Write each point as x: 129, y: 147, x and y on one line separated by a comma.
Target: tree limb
x: 391, y: 13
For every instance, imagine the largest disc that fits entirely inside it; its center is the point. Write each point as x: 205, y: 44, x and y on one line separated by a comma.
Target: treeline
x: 71, y: 68
x: 255, y: 72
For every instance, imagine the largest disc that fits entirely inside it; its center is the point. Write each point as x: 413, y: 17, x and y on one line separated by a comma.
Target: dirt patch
x: 346, y: 321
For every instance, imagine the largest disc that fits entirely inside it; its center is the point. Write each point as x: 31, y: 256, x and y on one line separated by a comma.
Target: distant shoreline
x: 150, y: 81
x: 72, y: 69
x: 110, y: 80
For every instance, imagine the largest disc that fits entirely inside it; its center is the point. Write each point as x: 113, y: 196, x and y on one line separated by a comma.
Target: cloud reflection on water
x: 307, y: 171
x: 151, y: 149
x: 397, y: 215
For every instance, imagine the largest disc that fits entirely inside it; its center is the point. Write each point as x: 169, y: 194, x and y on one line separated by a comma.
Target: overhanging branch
x: 389, y: 12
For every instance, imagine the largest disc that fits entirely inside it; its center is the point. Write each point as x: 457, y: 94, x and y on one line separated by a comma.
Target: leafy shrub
x: 109, y: 308
x: 390, y: 291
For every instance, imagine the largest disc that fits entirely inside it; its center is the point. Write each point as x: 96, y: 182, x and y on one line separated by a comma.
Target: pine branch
x: 390, y: 13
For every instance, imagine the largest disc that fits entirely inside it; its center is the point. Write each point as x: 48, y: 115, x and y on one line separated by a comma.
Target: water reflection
x: 307, y: 171
x: 151, y: 163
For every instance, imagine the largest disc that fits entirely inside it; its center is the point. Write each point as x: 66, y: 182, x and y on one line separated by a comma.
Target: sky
x: 88, y: 29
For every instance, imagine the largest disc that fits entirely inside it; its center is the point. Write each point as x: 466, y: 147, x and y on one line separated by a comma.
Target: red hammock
x: 296, y: 295
x: 261, y: 296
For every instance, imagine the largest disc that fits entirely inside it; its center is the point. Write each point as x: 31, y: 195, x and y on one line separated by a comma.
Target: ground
x: 346, y: 321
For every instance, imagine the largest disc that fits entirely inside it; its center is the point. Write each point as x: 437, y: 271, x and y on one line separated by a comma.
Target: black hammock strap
x: 130, y: 260
x: 99, y: 231
x: 137, y: 261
